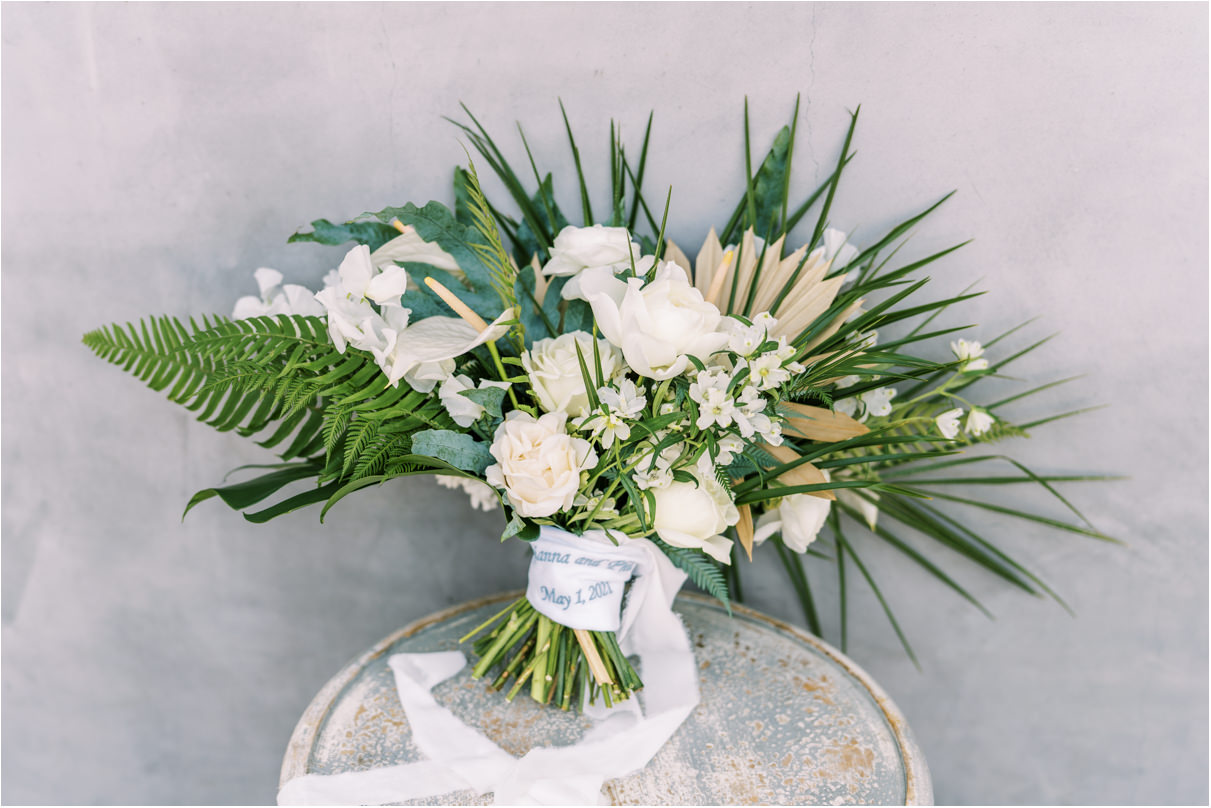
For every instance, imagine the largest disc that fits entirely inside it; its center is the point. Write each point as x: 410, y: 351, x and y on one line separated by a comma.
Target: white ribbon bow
x: 622, y: 741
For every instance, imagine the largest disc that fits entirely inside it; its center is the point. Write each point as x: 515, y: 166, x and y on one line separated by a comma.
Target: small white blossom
x: 878, y: 402
x: 978, y: 422
x: 648, y: 475
x: 608, y: 426
x: 745, y: 339
x: 969, y: 355
x: 707, y: 380
x: 767, y: 372
x: 715, y: 407
x: 626, y: 401
x: 729, y: 446
x: 948, y: 423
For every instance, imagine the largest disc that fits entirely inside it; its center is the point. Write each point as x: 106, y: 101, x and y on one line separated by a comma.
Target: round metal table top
x: 784, y: 719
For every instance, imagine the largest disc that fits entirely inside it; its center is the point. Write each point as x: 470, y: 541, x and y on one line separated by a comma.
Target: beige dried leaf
x: 818, y: 423
x: 673, y: 253
x: 803, y: 474
x: 744, y: 530
x: 835, y: 325
x: 709, y: 258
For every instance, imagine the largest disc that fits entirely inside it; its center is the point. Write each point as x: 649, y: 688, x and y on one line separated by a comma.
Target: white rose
x: 577, y: 248
x: 694, y: 515
x: 554, y: 370
x: 538, y: 463
x: 656, y: 325
x: 799, y: 517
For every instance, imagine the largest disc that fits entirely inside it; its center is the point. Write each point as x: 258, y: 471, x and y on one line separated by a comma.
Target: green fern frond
x: 501, y: 270
x: 704, y: 572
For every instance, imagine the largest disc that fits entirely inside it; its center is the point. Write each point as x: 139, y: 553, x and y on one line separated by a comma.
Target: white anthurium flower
x: 969, y: 354
x: 657, y: 325
x: 553, y: 367
x: 695, y: 514
x: 463, y: 410
x: 860, y: 503
x: 578, y: 248
x: 979, y: 422
x: 482, y: 497
x: 538, y: 463
x: 423, y: 353
x: 948, y: 423
x: 798, y: 517
x: 275, y: 298
x: 408, y: 247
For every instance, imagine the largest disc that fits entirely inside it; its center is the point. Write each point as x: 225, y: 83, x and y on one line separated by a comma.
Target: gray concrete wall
x: 154, y: 155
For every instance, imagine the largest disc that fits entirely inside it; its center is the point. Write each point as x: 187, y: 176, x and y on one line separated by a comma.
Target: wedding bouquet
x: 632, y: 410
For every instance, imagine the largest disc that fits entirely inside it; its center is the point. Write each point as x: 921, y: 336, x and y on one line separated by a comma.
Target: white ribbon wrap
x: 622, y: 740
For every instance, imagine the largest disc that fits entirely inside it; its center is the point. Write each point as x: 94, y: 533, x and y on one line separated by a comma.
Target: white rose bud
x: 538, y: 463
x: 656, y: 325
x: 577, y: 248
x: 799, y: 517
x: 693, y: 515
x: 554, y: 370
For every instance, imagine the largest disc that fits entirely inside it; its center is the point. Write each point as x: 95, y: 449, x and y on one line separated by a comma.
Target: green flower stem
x: 551, y: 659
x: 538, y: 685
x: 500, y: 370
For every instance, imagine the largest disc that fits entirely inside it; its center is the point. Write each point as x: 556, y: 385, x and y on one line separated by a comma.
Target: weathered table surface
x: 784, y: 719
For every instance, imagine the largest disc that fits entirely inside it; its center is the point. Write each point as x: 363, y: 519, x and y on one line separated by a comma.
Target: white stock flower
x: 978, y: 422
x: 798, y: 517
x: 351, y: 318
x: 948, y: 423
x: 578, y: 248
x: 482, y: 497
x: 538, y: 463
x: 554, y: 370
x: 657, y: 325
x: 275, y: 298
x: 463, y: 410
x: 969, y: 355
x: 695, y: 514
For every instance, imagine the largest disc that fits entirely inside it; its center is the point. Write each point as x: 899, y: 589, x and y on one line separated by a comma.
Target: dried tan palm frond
x: 762, y: 278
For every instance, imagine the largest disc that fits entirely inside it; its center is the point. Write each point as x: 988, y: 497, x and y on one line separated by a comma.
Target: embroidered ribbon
x: 621, y: 741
